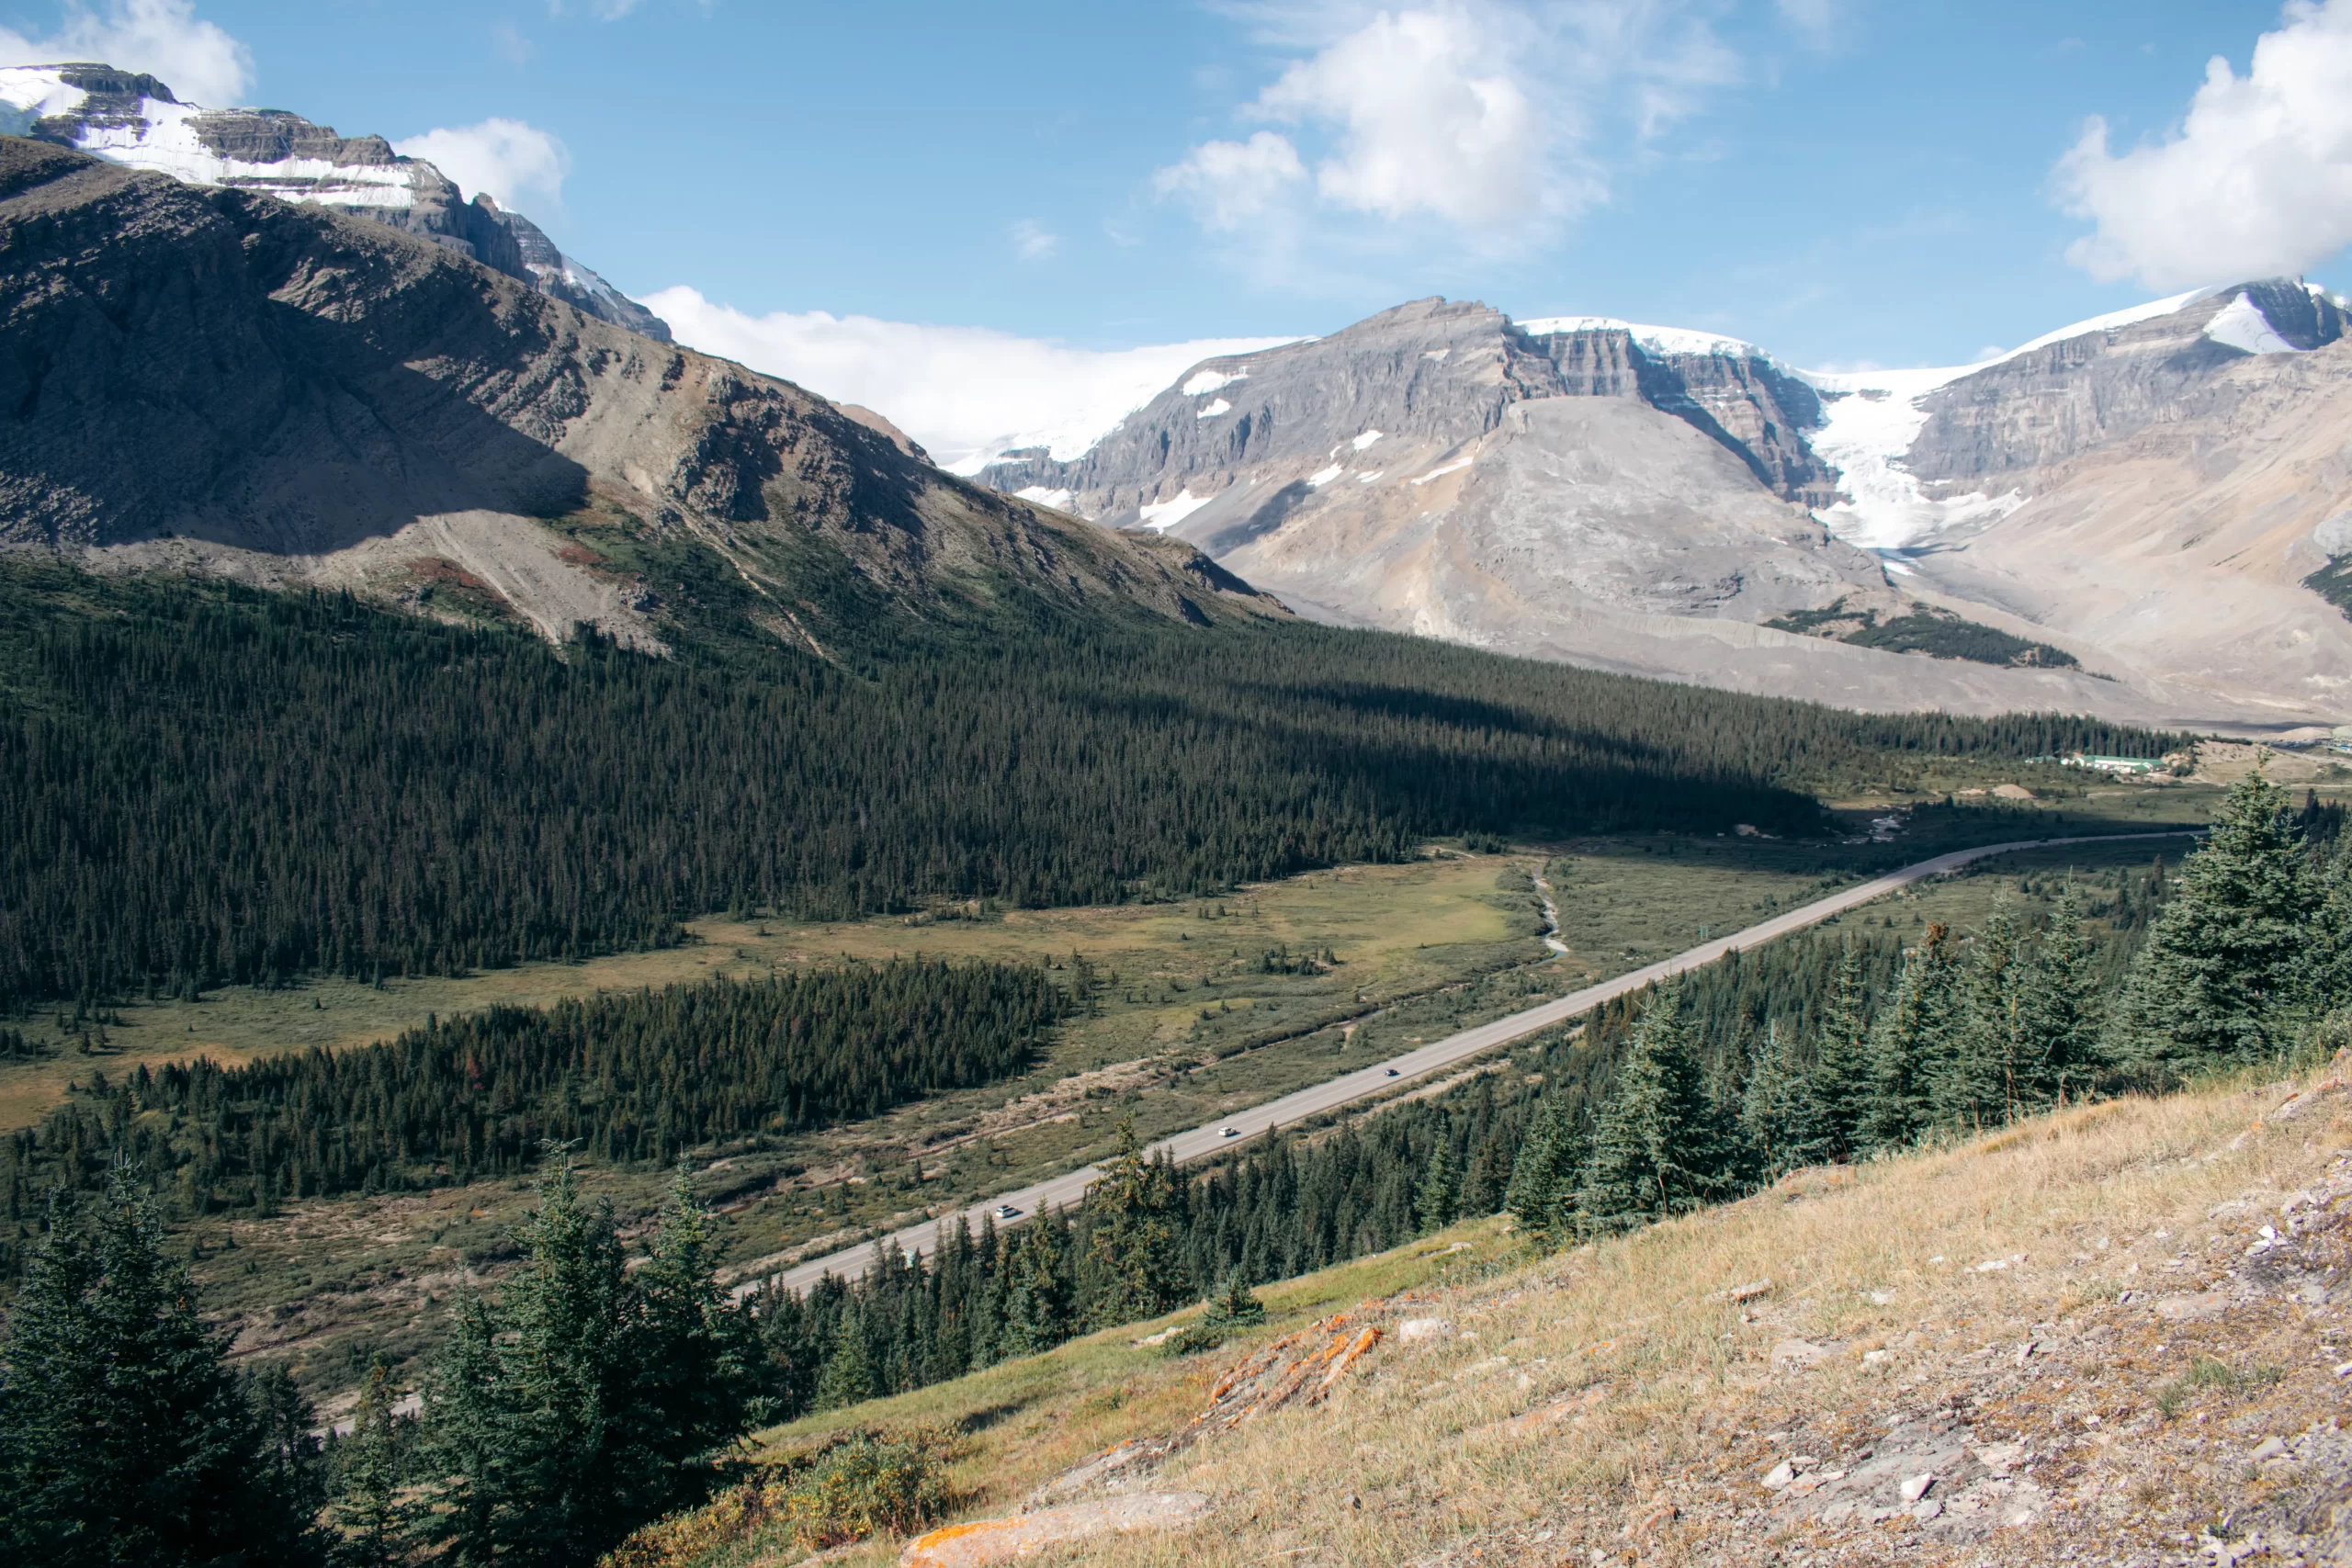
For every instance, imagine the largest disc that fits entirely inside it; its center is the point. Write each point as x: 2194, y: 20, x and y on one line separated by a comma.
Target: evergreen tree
x: 371, y: 1510
x: 696, y: 1351
x: 848, y: 1377
x: 1989, y: 1076
x: 547, y: 1445
x: 2327, y: 962
x: 1838, y: 1084
x: 1437, y: 1201
x: 124, y: 1437
x: 1036, y: 1314
x: 1542, y: 1188
x: 1910, y: 1042
x: 1781, y: 1121
x: 2224, y: 965
x: 1661, y: 1147
x: 1132, y: 1245
x: 2061, y: 1006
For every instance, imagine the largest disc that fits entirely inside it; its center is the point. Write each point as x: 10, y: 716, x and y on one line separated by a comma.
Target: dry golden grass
x: 1616, y: 1398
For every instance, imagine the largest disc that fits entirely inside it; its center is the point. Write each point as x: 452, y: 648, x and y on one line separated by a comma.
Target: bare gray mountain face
x: 209, y: 378
x: 133, y: 119
x: 1673, y: 504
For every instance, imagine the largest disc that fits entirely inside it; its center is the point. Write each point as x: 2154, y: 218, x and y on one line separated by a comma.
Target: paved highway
x: 1366, y: 1082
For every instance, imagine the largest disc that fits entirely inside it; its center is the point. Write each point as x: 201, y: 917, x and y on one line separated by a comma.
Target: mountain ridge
x: 1364, y: 477
x: 133, y: 119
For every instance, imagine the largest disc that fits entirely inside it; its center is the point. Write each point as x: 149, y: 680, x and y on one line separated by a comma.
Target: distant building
x: 2115, y: 764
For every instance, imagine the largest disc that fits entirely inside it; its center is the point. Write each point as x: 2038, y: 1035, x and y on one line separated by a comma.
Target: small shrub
x: 1235, y: 1309
x: 868, y: 1483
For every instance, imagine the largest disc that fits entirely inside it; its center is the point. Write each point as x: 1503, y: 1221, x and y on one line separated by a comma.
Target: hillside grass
x: 1587, y: 1393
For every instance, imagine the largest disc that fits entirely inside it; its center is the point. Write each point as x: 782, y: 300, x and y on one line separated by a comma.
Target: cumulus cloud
x: 1232, y: 185
x: 1428, y: 119
x: 199, y: 62
x: 514, y: 162
x: 2256, y: 180
x: 966, y: 393
x: 1485, y: 117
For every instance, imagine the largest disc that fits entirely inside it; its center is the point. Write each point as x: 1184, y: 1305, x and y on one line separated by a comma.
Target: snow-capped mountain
x: 135, y: 121
x: 2120, y: 517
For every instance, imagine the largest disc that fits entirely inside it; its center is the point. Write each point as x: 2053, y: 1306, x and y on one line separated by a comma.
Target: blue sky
x: 1843, y: 181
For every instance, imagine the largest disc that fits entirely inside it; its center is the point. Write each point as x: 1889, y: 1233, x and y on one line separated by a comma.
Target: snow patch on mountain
x: 161, y: 137
x: 1661, y: 340
x: 1165, y: 514
x: 1214, y: 409
x: 1207, y: 381
x: 2241, y: 324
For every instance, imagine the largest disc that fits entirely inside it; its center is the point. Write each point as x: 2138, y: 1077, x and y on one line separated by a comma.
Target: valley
x: 604, y: 965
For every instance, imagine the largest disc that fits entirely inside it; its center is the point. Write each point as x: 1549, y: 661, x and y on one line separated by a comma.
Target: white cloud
x: 1428, y: 118
x: 1232, y: 185
x: 512, y: 160
x: 966, y: 393
x: 199, y: 62
x: 2256, y: 180
x: 1494, y: 118
x: 1033, y: 241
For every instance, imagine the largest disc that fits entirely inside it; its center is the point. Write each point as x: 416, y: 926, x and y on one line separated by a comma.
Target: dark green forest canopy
x: 636, y: 1077
x: 203, y: 784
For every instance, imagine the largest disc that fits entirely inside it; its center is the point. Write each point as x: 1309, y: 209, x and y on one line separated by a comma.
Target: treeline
x: 625, y: 1078
x: 201, y: 785
x: 1828, y: 1048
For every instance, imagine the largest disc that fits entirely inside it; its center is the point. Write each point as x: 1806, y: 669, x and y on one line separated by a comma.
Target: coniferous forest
x: 201, y: 785
x: 631, y: 1078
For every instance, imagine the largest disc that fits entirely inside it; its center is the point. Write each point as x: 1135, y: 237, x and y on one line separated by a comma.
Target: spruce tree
x: 1986, y: 1077
x: 372, y: 1509
x: 1437, y: 1201
x: 1780, y: 1120
x: 124, y: 1437
x: 848, y: 1377
x: 548, y: 1439
x: 1910, y: 1042
x: 2061, y: 1006
x: 1662, y: 1147
x: 2224, y: 965
x: 1136, y: 1266
x: 1839, y: 1083
x: 1541, y: 1193
x: 1036, y: 1314
x: 698, y: 1352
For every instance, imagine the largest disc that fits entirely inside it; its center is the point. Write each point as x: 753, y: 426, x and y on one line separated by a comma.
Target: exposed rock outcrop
x: 213, y: 378
x: 133, y: 119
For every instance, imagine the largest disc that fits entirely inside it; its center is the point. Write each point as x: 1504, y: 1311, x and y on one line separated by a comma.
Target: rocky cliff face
x: 2146, y: 492
x: 213, y: 378
x: 133, y: 119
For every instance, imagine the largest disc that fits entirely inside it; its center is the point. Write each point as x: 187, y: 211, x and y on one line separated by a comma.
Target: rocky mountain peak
x: 136, y: 120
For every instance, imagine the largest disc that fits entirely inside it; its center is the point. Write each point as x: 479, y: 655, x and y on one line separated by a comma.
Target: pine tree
x: 1910, y: 1043
x: 1136, y: 1268
x: 1662, y: 1147
x: 1543, y: 1188
x: 1779, y: 1119
x: 1839, y: 1083
x: 124, y: 1437
x: 1437, y: 1201
x: 2327, y: 962
x: 2061, y: 1006
x: 2224, y: 965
